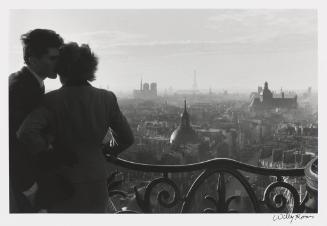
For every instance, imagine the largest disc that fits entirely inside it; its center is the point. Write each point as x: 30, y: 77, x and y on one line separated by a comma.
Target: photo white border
x: 158, y: 219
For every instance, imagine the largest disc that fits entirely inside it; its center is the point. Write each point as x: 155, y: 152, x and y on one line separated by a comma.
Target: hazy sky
x: 229, y: 49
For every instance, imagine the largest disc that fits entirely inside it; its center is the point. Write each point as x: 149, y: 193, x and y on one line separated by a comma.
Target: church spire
x: 184, y: 105
x: 185, y: 118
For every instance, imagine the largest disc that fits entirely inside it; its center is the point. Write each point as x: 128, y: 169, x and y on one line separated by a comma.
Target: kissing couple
x: 57, y: 140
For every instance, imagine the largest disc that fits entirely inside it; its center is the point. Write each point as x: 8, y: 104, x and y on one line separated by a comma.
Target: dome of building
x: 184, y: 133
x: 266, y: 93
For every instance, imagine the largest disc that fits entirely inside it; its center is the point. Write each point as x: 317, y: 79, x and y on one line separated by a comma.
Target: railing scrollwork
x: 279, y: 195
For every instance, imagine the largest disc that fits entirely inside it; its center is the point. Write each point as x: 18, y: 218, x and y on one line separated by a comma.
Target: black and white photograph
x: 188, y: 111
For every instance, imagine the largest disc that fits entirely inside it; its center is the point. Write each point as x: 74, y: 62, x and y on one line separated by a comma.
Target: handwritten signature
x: 291, y: 217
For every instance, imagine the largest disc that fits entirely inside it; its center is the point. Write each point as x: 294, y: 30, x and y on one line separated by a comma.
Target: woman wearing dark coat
x: 78, y: 117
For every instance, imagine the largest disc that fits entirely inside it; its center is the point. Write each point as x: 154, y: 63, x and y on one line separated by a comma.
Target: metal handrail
x: 212, y: 163
x: 272, y: 202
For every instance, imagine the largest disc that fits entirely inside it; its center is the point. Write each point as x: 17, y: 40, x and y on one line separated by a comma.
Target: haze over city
x: 234, y: 50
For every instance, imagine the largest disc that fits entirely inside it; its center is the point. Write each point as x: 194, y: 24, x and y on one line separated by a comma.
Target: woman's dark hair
x: 77, y: 63
x: 36, y: 42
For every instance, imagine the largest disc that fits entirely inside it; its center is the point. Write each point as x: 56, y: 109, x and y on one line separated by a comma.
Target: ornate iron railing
x: 278, y: 196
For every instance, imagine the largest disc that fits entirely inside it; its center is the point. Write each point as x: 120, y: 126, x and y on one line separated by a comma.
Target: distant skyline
x: 234, y: 50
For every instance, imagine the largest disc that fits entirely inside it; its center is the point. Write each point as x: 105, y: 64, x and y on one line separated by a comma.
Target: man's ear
x: 32, y: 60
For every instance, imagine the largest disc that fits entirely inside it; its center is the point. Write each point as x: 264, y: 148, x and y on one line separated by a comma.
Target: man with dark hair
x: 26, y: 87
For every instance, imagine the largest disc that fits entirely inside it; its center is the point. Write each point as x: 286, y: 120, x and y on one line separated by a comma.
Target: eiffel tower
x: 195, y: 85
